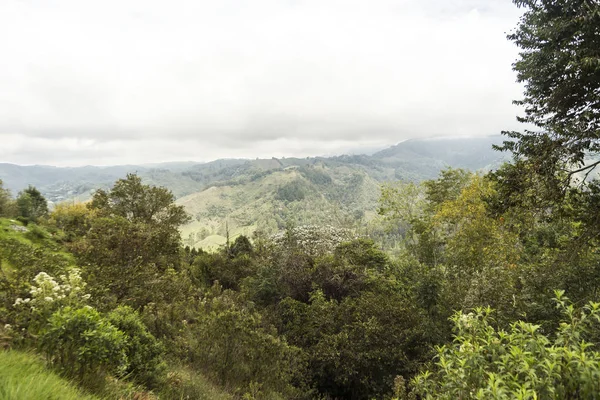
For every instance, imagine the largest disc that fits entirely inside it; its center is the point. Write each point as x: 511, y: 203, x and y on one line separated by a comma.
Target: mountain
x: 240, y: 196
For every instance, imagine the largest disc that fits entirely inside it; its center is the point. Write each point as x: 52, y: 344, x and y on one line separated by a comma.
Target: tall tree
x: 131, y: 239
x: 131, y: 199
x: 31, y: 204
x: 559, y: 64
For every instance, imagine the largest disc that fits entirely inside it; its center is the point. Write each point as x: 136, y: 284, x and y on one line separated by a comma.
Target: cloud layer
x: 145, y: 81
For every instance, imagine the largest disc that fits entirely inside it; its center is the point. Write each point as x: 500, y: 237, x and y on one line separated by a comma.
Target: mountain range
x: 240, y: 196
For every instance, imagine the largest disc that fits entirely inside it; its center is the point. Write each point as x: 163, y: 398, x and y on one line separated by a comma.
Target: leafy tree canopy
x: 559, y: 64
x: 31, y: 204
x: 131, y: 199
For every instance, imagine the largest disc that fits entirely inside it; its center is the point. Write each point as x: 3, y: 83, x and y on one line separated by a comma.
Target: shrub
x: 144, y: 351
x: 81, y: 342
x: 521, y: 363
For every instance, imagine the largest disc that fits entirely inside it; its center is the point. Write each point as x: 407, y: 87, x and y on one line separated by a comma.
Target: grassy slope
x: 24, y: 377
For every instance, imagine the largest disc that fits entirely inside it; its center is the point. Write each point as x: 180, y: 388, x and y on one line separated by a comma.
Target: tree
x: 560, y: 66
x: 31, y: 204
x: 131, y: 199
x: 6, y: 203
x: 145, y: 213
x: 131, y: 239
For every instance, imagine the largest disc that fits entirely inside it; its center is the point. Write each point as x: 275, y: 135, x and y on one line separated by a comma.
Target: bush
x: 521, y: 363
x: 81, y: 342
x: 144, y: 351
x: 237, y: 349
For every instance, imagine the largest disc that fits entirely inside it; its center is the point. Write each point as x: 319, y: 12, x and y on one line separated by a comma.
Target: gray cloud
x: 134, y: 81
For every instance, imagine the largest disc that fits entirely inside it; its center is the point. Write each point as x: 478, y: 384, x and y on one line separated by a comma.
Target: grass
x: 24, y: 377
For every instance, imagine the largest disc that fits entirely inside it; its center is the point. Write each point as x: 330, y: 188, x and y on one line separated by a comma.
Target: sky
x: 139, y: 81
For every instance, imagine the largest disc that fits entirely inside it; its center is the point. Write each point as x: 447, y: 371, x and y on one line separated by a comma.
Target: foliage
x: 240, y: 246
x: 232, y: 344
x: 447, y: 187
x: 401, y: 202
x: 81, y: 342
x: 31, y: 205
x: 74, y: 219
x: 560, y: 66
x: 292, y: 191
x: 7, y: 206
x: 523, y: 363
x: 136, y: 202
x: 186, y: 383
x: 128, y: 241
x: 146, y: 214
x: 357, y: 345
x: 227, y: 270
x: 47, y: 296
x: 312, y: 239
x: 144, y: 352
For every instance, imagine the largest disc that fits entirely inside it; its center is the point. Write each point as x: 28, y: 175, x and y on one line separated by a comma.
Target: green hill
x: 312, y: 194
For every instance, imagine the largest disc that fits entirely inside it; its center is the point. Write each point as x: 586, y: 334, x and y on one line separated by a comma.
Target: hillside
x: 312, y: 194
x: 243, y: 196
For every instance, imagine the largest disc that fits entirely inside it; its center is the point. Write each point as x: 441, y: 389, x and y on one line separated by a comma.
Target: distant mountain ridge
x: 415, y: 160
x: 229, y: 197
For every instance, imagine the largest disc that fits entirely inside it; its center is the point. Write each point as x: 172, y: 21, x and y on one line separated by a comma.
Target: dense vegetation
x: 491, y: 290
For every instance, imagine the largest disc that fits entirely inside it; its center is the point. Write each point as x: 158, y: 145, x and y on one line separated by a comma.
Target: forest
x: 490, y: 288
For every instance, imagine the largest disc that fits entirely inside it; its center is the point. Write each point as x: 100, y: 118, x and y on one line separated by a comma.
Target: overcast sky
x: 130, y: 81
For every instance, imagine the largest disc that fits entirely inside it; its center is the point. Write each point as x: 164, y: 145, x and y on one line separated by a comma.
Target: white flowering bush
x: 314, y: 240
x: 49, y: 294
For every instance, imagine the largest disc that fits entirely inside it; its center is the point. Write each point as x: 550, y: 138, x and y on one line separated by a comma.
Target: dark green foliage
x: 560, y: 66
x: 356, y: 346
x: 292, y: 191
x: 31, y: 205
x: 315, y: 175
x: 232, y: 344
x: 208, y: 268
x: 145, y: 212
x: 128, y: 241
x: 241, y: 245
x: 80, y: 342
x: 362, y: 252
x: 144, y: 352
x: 139, y: 203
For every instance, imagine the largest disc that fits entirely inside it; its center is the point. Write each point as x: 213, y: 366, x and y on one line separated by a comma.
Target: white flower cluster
x: 47, y: 290
x: 465, y: 321
x: 313, y: 239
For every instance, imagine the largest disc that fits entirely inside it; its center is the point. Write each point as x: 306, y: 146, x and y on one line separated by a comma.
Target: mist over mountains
x: 414, y: 160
